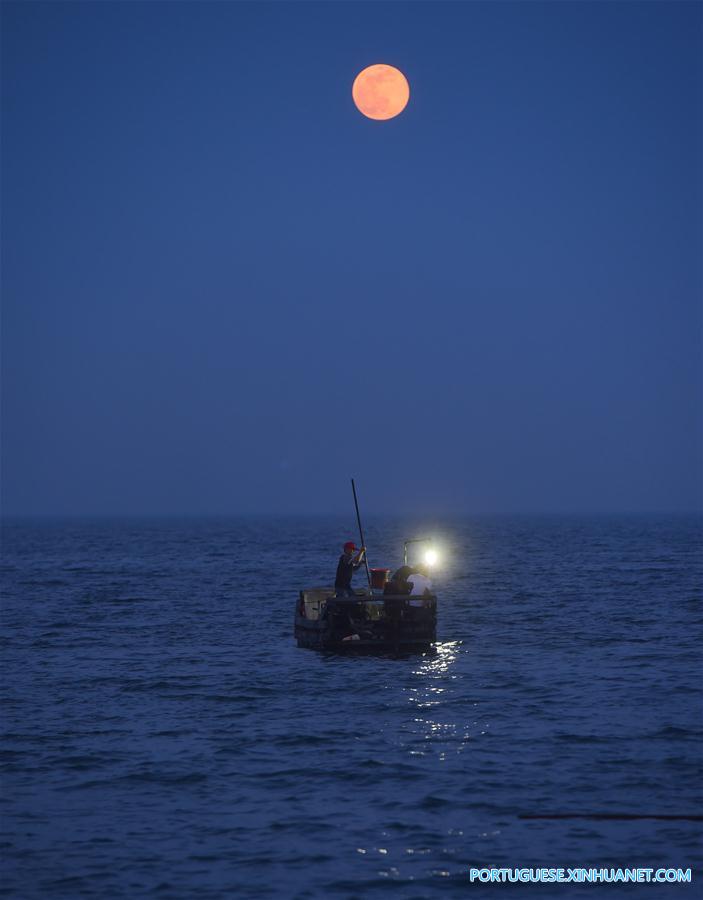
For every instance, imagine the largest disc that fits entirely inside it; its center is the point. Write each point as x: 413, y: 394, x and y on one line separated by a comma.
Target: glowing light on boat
x: 431, y: 558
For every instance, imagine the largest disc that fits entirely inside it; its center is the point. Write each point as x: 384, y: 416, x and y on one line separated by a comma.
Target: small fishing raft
x: 385, y: 618
x: 384, y: 623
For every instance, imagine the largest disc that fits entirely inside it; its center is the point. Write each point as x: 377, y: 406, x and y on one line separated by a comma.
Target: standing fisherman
x: 348, y: 564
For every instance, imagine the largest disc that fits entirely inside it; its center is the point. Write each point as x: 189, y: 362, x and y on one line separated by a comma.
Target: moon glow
x: 380, y: 92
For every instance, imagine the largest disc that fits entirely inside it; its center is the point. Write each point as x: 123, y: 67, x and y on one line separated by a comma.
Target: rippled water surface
x: 164, y: 735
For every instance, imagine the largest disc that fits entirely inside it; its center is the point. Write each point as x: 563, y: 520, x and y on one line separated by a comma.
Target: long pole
x: 361, y: 534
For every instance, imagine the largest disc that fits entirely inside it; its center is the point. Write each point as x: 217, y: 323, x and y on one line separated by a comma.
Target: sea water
x: 165, y: 737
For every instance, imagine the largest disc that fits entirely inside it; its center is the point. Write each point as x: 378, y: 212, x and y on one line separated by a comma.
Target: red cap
x: 349, y: 545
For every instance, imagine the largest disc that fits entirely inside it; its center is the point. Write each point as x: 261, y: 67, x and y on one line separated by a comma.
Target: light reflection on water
x: 436, y: 664
x: 433, y: 695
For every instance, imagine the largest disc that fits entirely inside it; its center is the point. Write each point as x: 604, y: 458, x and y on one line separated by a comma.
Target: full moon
x: 381, y: 92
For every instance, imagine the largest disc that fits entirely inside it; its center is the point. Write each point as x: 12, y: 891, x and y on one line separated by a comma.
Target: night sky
x: 226, y: 291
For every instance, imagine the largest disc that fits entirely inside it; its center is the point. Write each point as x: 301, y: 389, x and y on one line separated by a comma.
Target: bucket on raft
x: 379, y: 577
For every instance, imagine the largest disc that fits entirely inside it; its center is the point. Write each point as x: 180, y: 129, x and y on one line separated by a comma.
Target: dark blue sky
x: 226, y: 291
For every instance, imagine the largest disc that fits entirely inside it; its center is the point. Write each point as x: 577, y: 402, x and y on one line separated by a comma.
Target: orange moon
x: 381, y: 92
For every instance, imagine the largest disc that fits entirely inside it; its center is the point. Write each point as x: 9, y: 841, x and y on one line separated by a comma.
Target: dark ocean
x: 164, y: 736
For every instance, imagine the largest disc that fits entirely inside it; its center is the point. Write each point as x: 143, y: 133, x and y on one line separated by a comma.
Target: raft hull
x: 365, y: 623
